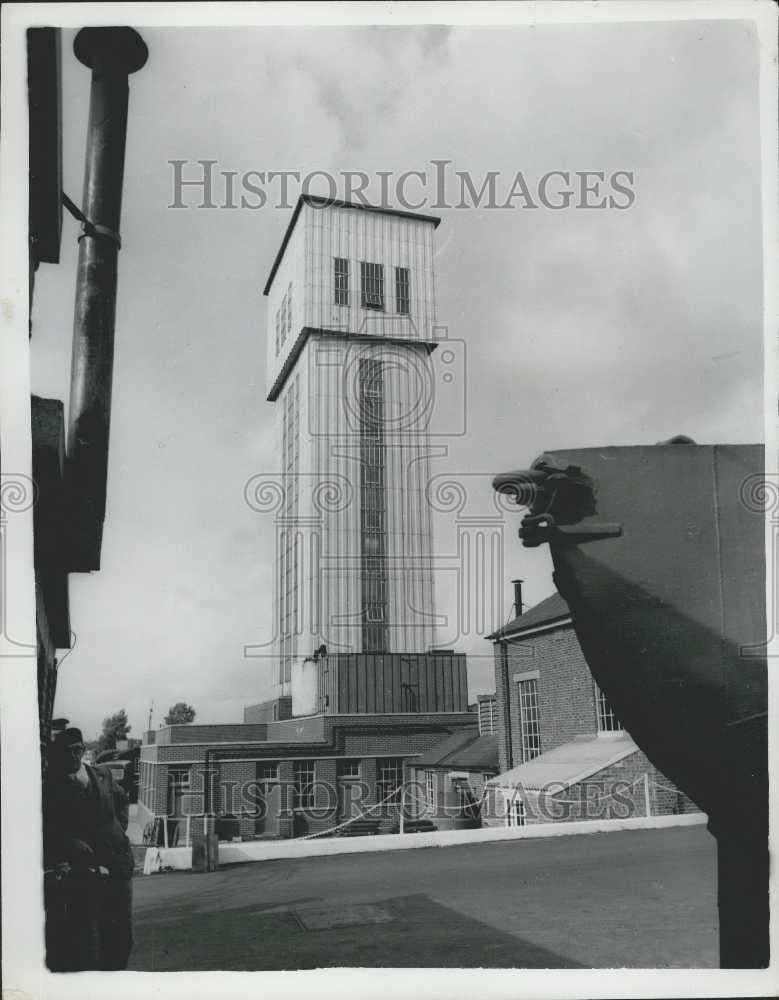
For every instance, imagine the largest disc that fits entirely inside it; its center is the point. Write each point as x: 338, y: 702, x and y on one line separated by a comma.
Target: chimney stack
x: 517, y: 597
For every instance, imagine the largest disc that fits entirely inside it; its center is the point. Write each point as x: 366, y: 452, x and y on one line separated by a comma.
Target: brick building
x: 446, y: 784
x: 562, y: 752
x: 292, y: 777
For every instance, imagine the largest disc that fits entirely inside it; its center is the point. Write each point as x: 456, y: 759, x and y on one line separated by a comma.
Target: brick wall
x: 615, y: 792
x: 446, y: 813
x: 233, y: 780
x: 619, y: 792
x: 216, y: 733
x: 566, y: 694
x: 360, y: 736
x: 566, y: 699
x: 390, y: 744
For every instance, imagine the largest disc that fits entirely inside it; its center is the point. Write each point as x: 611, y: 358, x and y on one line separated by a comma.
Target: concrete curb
x: 180, y: 858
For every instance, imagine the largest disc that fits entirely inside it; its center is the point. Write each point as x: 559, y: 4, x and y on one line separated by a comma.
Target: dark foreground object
x: 88, y: 922
x: 660, y: 554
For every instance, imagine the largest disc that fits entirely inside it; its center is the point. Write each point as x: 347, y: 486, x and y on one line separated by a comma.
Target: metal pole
x: 647, y: 804
x: 112, y: 54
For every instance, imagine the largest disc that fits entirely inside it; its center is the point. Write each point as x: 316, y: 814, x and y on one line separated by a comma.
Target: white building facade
x: 351, y: 331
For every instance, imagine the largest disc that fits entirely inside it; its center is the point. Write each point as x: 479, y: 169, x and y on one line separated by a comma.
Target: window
x: 373, y: 526
x: 371, y: 475
x: 515, y: 815
x: 607, y: 720
x: 530, y: 740
x: 283, y: 319
x: 374, y: 589
x: 401, y: 289
x: 430, y: 799
x: 348, y: 769
x: 390, y: 775
x: 341, y: 281
x: 304, y: 784
x: 179, y: 785
x: 179, y: 778
x: 375, y: 612
x: 373, y: 520
x: 268, y: 771
x: 374, y: 638
x: 372, y: 286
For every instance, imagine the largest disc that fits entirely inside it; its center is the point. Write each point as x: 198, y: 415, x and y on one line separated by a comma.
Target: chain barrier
x: 348, y: 822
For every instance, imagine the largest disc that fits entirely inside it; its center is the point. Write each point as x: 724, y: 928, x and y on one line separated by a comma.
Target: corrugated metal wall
x: 393, y: 682
x: 357, y: 236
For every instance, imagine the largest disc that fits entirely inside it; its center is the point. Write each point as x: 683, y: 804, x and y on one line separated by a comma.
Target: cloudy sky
x: 582, y: 327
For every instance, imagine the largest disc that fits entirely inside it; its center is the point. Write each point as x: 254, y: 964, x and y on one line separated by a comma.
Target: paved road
x: 641, y: 898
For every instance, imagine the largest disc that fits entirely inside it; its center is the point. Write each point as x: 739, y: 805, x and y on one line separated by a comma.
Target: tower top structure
x: 320, y: 202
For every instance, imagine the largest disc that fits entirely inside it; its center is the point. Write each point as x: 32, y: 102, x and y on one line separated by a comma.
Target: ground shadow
x: 420, y: 934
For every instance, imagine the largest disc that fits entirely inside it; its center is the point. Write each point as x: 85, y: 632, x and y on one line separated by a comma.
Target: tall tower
x: 351, y: 315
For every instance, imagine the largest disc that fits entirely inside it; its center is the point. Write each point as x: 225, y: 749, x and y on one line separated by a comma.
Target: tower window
x: 402, y: 290
x: 341, y: 275
x: 372, y: 282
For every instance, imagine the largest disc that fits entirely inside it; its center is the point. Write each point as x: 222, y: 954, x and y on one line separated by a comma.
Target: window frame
x: 403, y: 290
x: 391, y: 765
x: 303, y: 790
x: 516, y: 814
x: 372, y: 286
x: 349, y: 769
x: 529, y: 718
x: 268, y: 779
x: 341, y: 282
x: 606, y: 718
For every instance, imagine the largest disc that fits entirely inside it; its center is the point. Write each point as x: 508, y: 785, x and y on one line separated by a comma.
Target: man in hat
x: 89, y: 861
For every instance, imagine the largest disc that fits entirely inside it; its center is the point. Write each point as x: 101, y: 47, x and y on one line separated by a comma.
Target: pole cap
x: 121, y: 49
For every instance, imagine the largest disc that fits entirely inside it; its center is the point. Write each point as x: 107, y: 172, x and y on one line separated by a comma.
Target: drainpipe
x: 112, y: 54
x: 504, y: 664
x: 505, y: 669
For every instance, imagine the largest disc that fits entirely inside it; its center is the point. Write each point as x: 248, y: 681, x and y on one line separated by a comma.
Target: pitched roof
x: 569, y: 763
x: 319, y: 202
x: 464, y: 749
x: 551, y: 609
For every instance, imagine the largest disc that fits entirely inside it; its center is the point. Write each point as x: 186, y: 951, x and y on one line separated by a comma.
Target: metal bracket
x: 90, y: 228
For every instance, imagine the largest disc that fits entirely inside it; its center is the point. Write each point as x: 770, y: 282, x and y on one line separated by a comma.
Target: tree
x: 179, y: 714
x: 115, y: 728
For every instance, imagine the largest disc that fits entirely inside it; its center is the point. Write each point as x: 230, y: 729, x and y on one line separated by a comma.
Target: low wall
x: 180, y: 858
